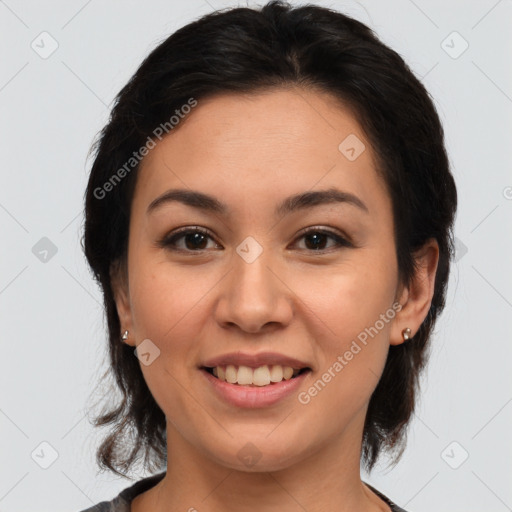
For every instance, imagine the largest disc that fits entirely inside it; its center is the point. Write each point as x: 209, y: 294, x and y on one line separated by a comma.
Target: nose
x: 254, y: 297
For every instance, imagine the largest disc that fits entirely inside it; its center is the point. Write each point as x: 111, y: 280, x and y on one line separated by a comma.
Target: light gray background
x: 52, y: 332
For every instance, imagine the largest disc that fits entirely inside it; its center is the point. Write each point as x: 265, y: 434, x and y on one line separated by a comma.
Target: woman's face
x: 251, y: 289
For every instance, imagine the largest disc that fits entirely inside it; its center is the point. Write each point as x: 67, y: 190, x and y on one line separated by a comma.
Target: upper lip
x: 254, y: 360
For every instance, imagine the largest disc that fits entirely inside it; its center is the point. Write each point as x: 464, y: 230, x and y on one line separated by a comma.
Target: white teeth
x: 276, y: 373
x: 244, y: 375
x: 287, y: 372
x: 261, y: 376
x: 231, y: 374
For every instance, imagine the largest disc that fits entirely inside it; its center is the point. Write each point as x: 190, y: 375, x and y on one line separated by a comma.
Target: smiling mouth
x: 265, y: 375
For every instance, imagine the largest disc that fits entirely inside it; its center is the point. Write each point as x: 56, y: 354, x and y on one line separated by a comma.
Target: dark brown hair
x: 244, y: 50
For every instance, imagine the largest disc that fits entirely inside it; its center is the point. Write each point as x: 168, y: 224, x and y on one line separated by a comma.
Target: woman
x: 269, y: 215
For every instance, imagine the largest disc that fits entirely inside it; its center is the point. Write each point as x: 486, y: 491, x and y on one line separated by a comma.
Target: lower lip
x: 251, y: 397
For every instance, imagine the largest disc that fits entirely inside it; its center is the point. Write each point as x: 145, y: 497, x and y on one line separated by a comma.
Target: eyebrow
x: 291, y: 204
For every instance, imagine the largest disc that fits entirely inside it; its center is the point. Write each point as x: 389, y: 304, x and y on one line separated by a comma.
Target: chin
x: 259, y: 455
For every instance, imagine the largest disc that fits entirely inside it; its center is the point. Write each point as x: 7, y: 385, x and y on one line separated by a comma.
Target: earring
x: 124, y: 336
x: 406, y: 333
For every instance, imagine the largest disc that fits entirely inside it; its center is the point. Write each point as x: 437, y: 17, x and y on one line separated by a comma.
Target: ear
x: 416, y: 298
x: 120, y: 289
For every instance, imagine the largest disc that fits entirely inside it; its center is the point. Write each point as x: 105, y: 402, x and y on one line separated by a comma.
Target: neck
x: 328, y: 479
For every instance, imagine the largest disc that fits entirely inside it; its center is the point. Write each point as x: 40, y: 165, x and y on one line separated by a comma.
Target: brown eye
x: 195, y: 240
x: 188, y: 239
x: 316, y: 240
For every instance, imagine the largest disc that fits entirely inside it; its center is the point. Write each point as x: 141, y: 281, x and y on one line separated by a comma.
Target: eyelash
x: 169, y: 240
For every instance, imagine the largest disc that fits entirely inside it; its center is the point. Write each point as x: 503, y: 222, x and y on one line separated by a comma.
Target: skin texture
x: 251, y: 152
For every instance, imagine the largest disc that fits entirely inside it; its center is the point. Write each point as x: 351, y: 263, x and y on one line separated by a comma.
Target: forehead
x: 252, y: 147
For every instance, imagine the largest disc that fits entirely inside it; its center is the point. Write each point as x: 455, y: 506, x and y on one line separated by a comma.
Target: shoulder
x: 393, y: 506
x: 121, y: 503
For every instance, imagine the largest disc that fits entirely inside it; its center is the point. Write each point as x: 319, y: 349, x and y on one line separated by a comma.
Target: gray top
x: 122, y: 502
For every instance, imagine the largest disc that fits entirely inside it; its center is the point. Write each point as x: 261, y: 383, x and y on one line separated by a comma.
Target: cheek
x: 350, y: 297
x: 352, y: 313
x: 351, y: 348
x: 168, y: 309
x: 166, y: 299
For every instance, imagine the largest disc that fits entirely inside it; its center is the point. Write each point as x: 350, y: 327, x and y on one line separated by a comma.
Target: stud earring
x: 124, y: 336
x: 406, y: 333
